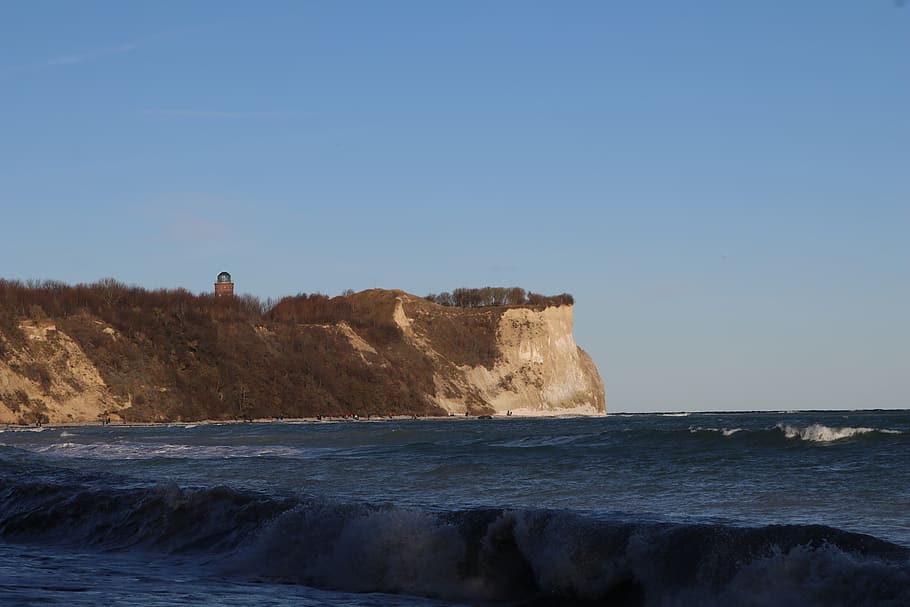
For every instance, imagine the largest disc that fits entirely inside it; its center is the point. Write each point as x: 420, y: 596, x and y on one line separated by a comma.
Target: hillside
x: 108, y: 351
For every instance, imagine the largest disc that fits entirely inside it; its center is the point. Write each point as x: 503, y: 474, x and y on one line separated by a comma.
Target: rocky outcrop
x: 370, y: 353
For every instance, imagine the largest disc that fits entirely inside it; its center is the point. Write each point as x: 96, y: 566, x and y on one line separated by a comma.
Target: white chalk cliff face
x: 540, y: 371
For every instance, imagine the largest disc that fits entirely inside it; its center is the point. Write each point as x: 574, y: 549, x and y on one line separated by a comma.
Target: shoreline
x: 287, y: 420
x: 517, y: 414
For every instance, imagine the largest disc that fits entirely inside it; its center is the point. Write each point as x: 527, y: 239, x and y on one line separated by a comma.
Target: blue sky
x: 724, y: 186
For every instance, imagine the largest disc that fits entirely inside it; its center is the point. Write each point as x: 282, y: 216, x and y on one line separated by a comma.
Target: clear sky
x: 724, y: 186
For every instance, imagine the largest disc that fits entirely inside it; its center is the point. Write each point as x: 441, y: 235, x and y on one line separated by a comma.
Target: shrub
x: 39, y: 372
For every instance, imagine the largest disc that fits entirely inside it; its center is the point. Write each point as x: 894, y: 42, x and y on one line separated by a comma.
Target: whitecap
x: 819, y: 433
x: 722, y: 431
x: 56, y: 446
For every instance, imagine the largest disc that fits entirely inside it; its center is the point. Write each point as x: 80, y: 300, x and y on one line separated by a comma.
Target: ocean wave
x: 819, y: 433
x: 164, y: 517
x: 721, y: 431
x: 539, y: 557
x: 813, y: 433
x: 527, y: 442
x: 172, y: 451
x: 556, y: 557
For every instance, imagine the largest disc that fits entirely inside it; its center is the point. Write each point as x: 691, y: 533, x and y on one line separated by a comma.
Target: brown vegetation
x: 463, y: 337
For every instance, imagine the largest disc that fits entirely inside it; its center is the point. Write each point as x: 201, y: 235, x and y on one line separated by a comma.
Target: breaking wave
x: 812, y: 433
x: 818, y: 433
x: 524, y: 556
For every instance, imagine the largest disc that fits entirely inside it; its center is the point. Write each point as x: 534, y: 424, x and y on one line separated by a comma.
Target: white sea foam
x: 819, y: 433
x: 144, y: 451
x: 722, y: 431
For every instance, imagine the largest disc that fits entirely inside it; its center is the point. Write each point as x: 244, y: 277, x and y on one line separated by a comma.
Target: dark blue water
x: 804, y: 508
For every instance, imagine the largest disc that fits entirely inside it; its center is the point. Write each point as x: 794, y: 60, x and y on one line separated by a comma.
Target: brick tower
x: 224, y: 287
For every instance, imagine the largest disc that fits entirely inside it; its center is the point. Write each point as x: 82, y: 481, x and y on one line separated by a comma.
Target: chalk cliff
x: 538, y: 369
x: 377, y: 352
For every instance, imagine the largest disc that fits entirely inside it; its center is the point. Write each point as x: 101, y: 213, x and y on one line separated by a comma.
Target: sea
x: 716, y: 509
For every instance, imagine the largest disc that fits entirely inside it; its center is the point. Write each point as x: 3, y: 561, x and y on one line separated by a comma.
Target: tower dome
x: 224, y: 286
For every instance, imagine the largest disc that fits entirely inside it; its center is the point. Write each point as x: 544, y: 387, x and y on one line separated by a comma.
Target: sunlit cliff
x: 122, y: 353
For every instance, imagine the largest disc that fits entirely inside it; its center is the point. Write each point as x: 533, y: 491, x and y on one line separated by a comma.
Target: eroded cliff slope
x: 174, y: 356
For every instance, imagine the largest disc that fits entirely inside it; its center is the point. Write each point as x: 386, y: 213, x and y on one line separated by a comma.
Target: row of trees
x: 34, y: 298
x: 312, y: 308
x: 498, y: 296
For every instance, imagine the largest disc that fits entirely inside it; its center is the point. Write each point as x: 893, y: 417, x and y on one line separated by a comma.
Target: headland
x: 111, y: 352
